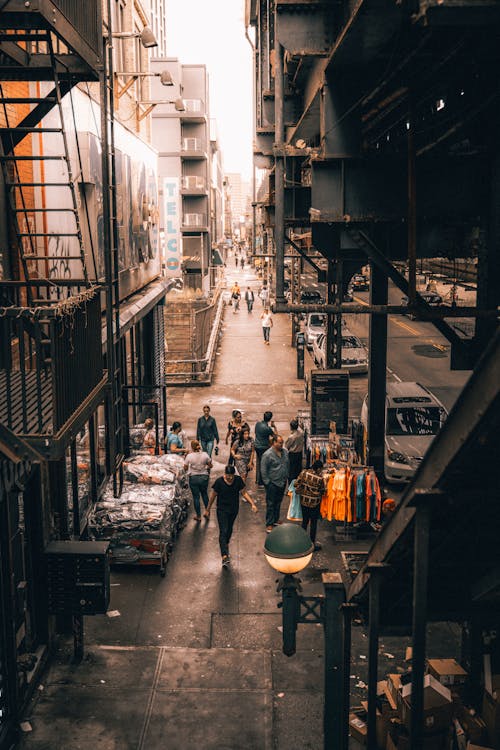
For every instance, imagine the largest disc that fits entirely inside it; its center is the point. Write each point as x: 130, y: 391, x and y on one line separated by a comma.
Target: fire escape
x: 52, y: 378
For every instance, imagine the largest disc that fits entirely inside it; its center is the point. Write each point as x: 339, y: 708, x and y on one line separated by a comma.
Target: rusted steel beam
x: 434, y: 313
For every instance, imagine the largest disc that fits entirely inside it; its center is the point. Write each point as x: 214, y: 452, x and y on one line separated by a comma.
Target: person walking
x: 249, y: 299
x: 295, y: 447
x: 264, y: 296
x: 236, y: 296
x: 226, y: 490
x: 242, y: 451
x: 173, y: 442
x: 310, y: 486
x: 235, y: 426
x: 197, y: 464
x: 267, y: 324
x: 242, y: 262
x: 207, y: 432
x: 274, y: 468
x: 264, y: 431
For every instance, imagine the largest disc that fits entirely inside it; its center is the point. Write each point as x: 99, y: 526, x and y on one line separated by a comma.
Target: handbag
x: 294, y: 509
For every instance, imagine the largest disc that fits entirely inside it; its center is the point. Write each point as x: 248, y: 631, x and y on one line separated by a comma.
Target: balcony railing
x: 195, y: 220
x: 50, y: 356
x: 193, y: 182
x: 192, y: 144
x: 193, y: 106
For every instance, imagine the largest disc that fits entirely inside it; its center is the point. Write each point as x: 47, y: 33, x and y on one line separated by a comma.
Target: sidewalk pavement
x: 194, y: 660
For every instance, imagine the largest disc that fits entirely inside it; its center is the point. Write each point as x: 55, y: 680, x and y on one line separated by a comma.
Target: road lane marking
x: 391, y: 372
x: 407, y: 327
x: 361, y: 301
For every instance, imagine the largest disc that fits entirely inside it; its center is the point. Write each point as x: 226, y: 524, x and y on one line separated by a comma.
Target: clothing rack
x: 348, y: 529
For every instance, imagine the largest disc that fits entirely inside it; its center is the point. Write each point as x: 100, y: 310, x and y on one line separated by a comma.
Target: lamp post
x: 288, y: 549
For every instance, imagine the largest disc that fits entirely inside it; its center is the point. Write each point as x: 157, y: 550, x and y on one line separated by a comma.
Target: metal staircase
x: 50, y: 245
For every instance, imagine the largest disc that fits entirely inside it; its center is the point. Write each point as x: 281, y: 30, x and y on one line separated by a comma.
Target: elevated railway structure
x: 378, y: 123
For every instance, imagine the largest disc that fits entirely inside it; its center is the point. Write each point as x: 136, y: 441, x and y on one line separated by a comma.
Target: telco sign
x: 171, y: 227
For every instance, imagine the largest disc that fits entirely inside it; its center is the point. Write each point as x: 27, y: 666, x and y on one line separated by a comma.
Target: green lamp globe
x: 288, y: 548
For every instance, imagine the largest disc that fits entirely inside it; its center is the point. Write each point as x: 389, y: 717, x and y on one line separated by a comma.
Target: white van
x: 413, y: 417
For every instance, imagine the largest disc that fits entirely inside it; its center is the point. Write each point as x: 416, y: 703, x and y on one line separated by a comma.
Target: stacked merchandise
x: 143, y: 523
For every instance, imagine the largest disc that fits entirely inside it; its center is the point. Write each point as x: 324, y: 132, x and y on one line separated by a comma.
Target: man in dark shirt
x: 264, y: 431
x: 207, y: 432
x: 227, y: 490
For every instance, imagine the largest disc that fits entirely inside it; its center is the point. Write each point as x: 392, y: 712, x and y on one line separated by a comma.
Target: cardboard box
x: 394, y: 687
x: 491, y: 717
x: 447, y: 671
x: 438, y: 707
x: 401, y: 741
x: 358, y: 728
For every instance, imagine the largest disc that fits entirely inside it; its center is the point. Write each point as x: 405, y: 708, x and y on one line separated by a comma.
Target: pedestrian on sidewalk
x: 235, y: 426
x: 242, y: 451
x: 236, y: 296
x: 198, y: 464
x: 274, y: 468
x: 295, y: 447
x: 174, y: 443
x: 249, y: 299
x: 264, y: 431
x: 310, y: 486
x: 207, y: 432
x: 267, y: 324
x: 227, y: 490
x: 242, y: 262
x: 264, y: 296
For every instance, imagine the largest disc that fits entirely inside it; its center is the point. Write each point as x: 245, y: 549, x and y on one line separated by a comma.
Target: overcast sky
x: 213, y: 33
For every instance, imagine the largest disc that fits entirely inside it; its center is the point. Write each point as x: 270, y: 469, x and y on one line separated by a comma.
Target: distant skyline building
x: 239, y: 191
x: 190, y: 186
x: 158, y: 11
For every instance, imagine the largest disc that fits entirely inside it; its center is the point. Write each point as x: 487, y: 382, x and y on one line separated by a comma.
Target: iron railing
x: 50, y: 355
x: 205, y: 327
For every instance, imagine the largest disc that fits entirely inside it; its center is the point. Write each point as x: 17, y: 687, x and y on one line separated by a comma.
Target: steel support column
x: 420, y: 578
x: 488, y: 267
x: 333, y: 624
x: 376, y: 571
x: 377, y: 371
x: 412, y: 211
x: 279, y: 167
x: 348, y: 613
x: 334, y: 322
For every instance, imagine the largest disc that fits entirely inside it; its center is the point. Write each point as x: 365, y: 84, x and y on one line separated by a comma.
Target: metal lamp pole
x: 329, y: 610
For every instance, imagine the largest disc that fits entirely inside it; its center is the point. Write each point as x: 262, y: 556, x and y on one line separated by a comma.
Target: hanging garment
x: 295, y: 508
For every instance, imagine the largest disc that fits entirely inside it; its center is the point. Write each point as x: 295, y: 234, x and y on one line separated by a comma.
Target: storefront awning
x: 138, y: 305
x: 217, y: 258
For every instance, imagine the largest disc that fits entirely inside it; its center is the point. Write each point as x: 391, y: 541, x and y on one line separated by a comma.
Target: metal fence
x: 191, y: 360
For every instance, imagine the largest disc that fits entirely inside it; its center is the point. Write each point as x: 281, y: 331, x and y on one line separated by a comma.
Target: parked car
x: 360, y: 283
x: 311, y: 297
x: 413, y: 417
x: 314, y: 326
x: 431, y: 298
x: 354, y: 354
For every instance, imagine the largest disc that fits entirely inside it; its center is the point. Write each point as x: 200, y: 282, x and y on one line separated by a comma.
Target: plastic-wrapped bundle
x: 148, y: 472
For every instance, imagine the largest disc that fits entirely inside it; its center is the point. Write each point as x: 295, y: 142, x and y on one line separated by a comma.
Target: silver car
x: 354, y: 354
x: 315, y: 325
x: 413, y: 417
